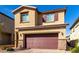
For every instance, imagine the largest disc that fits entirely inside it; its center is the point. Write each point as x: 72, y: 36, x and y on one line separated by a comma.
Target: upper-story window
x: 24, y: 17
x: 48, y: 17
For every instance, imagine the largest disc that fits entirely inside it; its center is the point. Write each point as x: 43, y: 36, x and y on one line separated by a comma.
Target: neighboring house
x: 74, y: 34
x: 6, y: 29
x: 68, y: 38
x: 34, y: 29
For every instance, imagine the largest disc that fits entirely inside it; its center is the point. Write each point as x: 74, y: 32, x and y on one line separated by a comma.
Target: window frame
x: 46, y: 21
x: 21, y: 21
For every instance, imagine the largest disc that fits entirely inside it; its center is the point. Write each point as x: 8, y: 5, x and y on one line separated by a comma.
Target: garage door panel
x: 42, y: 41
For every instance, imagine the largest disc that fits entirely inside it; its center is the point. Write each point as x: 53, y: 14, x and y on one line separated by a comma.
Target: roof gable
x: 28, y: 7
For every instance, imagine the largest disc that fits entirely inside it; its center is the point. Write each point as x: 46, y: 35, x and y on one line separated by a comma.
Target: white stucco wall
x: 75, y: 34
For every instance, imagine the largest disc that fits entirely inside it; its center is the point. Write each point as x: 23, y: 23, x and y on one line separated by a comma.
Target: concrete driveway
x: 36, y: 51
x: 41, y: 51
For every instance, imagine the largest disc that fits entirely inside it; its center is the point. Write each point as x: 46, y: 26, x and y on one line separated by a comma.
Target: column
x: 61, y: 41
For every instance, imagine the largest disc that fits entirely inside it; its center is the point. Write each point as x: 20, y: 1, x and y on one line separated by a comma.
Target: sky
x: 72, y: 12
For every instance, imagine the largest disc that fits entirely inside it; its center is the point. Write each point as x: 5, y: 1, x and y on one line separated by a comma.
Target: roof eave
x: 23, y: 6
x: 56, y: 10
x: 74, y: 23
x: 43, y: 27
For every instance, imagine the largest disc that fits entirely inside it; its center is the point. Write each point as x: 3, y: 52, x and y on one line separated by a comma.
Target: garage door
x: 47, y: 41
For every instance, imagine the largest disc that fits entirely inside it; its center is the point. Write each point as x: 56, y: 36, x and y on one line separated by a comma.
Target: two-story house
x: 41, y: 30
x: 6, y: 29
x: 74, y: 31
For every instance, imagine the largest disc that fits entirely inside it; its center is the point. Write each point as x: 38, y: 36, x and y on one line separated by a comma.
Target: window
x: 48, y: 17
x: 24, y: 17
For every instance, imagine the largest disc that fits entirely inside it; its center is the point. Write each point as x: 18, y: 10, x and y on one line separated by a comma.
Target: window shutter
x: 44, y: 18
x: 56, y: 17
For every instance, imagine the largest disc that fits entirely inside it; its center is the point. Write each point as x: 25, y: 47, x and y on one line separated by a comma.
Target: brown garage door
x: 48, y: 41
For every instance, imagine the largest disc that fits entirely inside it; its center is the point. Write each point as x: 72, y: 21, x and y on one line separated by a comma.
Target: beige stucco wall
x: 31, y: 16
x: 61, y: 37
x: 74, y: 34
x: 60, y: 19
x: 35, y: 19
x: 62, y: 44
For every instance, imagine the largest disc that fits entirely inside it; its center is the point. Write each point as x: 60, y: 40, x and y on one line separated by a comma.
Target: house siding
x: 8, y: 24
x: 74, y: 32
x: 35, y: 19
x: 31, y: 16
x: 7, y: 27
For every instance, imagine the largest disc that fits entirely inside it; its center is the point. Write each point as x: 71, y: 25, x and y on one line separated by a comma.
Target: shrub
x: 75, y: 50
x: 10, y: 49
x: 73, y: 43
x: 76, y: 43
